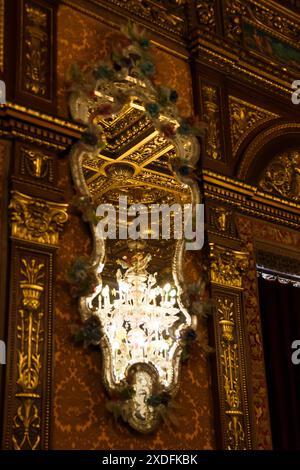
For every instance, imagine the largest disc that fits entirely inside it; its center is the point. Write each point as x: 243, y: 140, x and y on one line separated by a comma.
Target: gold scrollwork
x: 36, y: 39
x: 227, y: 266
x: 235, y: 434
x: 36, y: 220
x: 30, y: 335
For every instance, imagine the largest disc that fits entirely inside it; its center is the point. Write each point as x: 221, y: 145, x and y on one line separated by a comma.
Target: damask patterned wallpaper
x: 80, y: 419
x: 86, y: 40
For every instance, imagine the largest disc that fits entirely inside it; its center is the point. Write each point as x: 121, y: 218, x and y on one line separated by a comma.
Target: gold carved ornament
x: 27, y: 421
x: 36, y: 39
x: 212, y: 110
x: 262, y: 15
x: 244, y: 117
x: 222, y: 219
x: 36, y: 164
x: 36, y: 220
x: 206, y: 13
x: 282, y: 176
x: 235, y: 434
x: 227, y: 270
x: 227, y: 266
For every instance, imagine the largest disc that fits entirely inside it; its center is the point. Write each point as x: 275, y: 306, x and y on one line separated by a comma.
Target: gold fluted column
x: 35, y: 227
x: 227, y: 269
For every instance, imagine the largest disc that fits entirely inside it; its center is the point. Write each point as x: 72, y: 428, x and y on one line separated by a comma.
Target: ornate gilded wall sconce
x: 138, y: 147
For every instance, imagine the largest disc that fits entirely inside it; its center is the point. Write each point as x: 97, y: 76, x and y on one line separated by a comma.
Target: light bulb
x: 167, y: 287
x: 173, y: 293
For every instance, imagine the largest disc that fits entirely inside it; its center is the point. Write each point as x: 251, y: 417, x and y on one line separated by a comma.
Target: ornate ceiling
x: 135, y: 162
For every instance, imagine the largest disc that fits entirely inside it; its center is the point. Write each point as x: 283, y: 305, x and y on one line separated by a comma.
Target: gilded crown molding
x: 36, y: 220
x: 244, y: 117
x: 250, y: 200
x: 224, y: 59
x: 21, y: 112
x: 38, y: 128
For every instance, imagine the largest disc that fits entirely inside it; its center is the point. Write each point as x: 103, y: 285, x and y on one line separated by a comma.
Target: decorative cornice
x: 250, y: 200
x: 36, y: 220
x: 38, y: 128
x: 19, y: 111
x: 250, y: 71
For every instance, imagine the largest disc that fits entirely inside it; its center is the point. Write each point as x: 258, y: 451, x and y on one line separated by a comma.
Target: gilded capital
x: 36, y: 220
x: 227, y: 266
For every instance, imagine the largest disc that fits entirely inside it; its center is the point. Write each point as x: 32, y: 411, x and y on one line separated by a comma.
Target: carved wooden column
x: 228, y: 265
x: 35, y: 227
x: 227, y: 269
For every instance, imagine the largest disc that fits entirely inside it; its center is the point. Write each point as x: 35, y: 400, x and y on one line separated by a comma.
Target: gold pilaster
x: 35, y: 227
x: 227, y: 269
x: 30, y: 334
